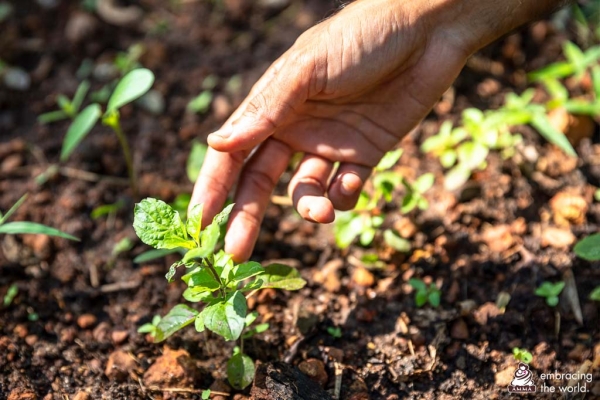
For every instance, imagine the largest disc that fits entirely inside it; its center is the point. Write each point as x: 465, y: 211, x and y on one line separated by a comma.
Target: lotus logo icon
x: 522, y: 381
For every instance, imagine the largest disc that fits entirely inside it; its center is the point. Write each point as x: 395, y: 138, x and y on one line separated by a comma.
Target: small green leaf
x: 434, y: 298
x: 201, y: 103
x: 417, y: 284
x: 206, y: 394
x: 11, y: 211
x: 172, y: 269
x: 196, y: 294
x: 424, y: 182
x: 226, y: 318
x: 79, y: 96
x: 154, y: 254
x: 543, y: 125
x: 246, y: 270
x: 147, y: 328
x: 367, y: 236
x: 280, y: 276
x: 222, y: 217
x: 81, y: 126
x: 131, y: 87
x: 448, y: 158
x: 456, y: 177
x: 589, y: 248
x: 595, y: 295
x: 409, y: 202
x: 52, y: 116
x: 10, y: 295
x: 396, y: 242
x: 179, y: 317
x: 158, y: 225
x: 195, y: 160
x: 348, y: 225
x: 251, y: 317
x: 203, y: 279
x: 471, y: 154
x: 24, y: 227
x: 389, y: 159
x: 552, y: 301
x: 420, y: 298
x: 194, y: 222
x: 240, y: 371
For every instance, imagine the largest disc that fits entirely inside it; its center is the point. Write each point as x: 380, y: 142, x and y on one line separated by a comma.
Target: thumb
x: 283, y: 87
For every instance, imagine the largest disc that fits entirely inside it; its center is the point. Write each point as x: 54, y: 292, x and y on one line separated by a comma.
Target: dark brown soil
x: 78, y: 307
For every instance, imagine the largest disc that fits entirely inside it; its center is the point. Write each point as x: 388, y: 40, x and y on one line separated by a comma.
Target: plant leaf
x: 420, y: 298
x: 157, y: 224
x: 456, y: 177
x: 424, y: 182
x: 589, y: 248
x: 131, y: 87
x: 417, y: 284
x: 196, y: 294
x: 195, y: 160
x: 226, y: 318
x: 194, y: 222
x: 280, y: 276
x: 11, y: 211
x: 246, y: 270
x: 543, y: 125
x: 79, y: 96
x: 396, y: 242
x: 179, y: 317
x: 595, y: 295
x: 25, y: 227
x: 434, y: 298
x: 81, y: 126
x: 240, y: 371
x: 52, y: 116
x: 389, y: 159
x: 203, y: 279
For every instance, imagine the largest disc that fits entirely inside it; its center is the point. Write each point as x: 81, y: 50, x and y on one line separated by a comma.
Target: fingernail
x: 347, y: 186
x: 223, y: 133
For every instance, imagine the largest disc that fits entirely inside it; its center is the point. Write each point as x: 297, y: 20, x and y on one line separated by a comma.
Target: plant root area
x: 354, y: 332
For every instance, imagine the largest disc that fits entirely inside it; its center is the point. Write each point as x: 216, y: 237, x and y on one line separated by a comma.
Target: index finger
x: 217, y: 176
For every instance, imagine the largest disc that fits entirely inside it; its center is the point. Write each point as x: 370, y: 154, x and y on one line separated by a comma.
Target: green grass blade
x: 14, y: 208
x: 80, y: 127
x: 52, y: 116
x: 24, y: 227
x: 80, y: 94
x: 132, y: 86
x: 550, y: 133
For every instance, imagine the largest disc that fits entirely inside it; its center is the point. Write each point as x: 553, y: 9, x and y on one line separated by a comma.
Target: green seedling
x: 150, y: 327
x: 364, y: 220
x: 132, y: 86
x: 68, y: 108
x: 588, y: 248
x: 415, y: 191
x: 585, y: 105
x: 127, y: 61
x: 206, y: 394
x: 211, y: 277
x: 396, y: 242
x: 109, y: 210
x: 522, y: 355
x: 10, y: 295
x: 550, y: 291
x: 425, y: 294
x: 195, y: 160
x: 595, y: 294
x: 26, y: 227
x: 576, y: 64
x: 335, y: 331
x: 201, y: 103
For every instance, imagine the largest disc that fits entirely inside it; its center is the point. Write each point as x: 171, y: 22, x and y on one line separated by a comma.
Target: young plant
x: 577, y: 63
x: 335, y: 331
x: 68, y: 108
x: 10, y: 295
x: 150, y: 327
x: 522, y: 355
x: 364, y: 220
x: 550, y: 291
x: 425, y: 294
x: 212, y: 278
x: 26, y: 227
x: 132, y: 86
x: 588, y: 248
x: 415, y: 191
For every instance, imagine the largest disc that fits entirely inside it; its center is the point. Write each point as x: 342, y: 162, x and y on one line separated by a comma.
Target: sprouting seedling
x: 595, y: 294
x: 26, y: 227
x: 415, y: 191
x: 425, y: 294
x: 150, y: 327
x: 585, y: 105
x: 522, y: 355
x: 132, y: 86
x: 363, y: 221
x: 335, y: 331
x: 550, y: 292
x: 588, y: 248
x: 68, y: 108
x: 577, y: 62
x: 201, y: 103
x: 212, y: 278
x: 10, y: 295
x: 443, y: 144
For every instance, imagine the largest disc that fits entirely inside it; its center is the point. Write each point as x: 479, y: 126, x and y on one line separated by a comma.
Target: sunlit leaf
x: 588, y: 248
x: 25, y: 227
x: 158, y: 225
x: 179, y: 317
x: 195, y: 160
x: 130, y: 87
x: 81, y: 126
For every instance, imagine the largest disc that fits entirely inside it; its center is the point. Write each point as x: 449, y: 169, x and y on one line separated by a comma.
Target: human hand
x: 347, y: 91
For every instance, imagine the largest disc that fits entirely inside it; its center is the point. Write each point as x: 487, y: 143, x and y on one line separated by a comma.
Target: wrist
x: 471, y: 25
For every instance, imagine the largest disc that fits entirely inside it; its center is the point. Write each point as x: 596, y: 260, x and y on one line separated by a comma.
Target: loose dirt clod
x: 119, y: 365
x: 174, y: 368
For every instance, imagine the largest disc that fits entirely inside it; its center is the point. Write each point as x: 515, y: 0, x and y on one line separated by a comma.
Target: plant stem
x: 116, y: 126
x: 212, y: 269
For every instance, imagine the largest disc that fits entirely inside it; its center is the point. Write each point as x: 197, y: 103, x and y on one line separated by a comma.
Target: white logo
x: 522, y: 381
